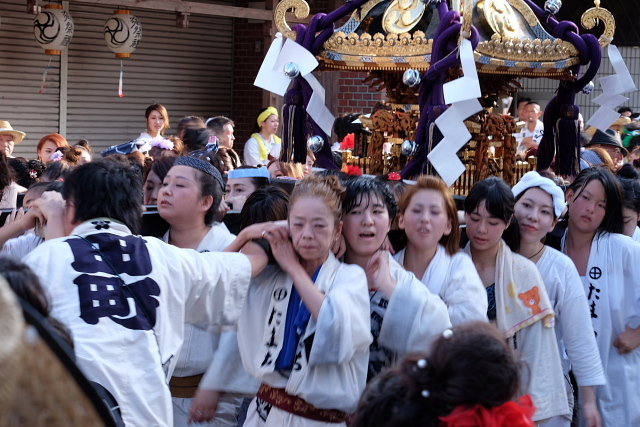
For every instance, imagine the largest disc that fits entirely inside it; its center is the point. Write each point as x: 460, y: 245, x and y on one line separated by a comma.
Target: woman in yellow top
x: 264, y: 145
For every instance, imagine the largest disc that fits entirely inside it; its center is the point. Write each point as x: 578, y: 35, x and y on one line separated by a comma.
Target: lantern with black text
x: 53, y: 29
x: 123, y: 33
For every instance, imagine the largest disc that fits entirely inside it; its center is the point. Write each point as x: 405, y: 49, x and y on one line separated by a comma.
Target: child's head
x: 265, y: 204
x: 469, y: 365
x: 369, y: 208
x: 428, y: 214
x: 595, y: 202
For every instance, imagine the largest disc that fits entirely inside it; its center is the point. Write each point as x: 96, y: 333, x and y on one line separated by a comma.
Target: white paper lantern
x: 53, y: 29
x: 123, y: 33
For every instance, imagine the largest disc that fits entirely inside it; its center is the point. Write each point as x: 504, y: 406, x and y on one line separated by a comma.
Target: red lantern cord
x: 44, y: 75
x: 120, y: 94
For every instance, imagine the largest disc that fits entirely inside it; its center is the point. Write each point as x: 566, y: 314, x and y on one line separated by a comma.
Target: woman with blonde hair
x: 428, y: 215
x: 405, y: 315
x: 280, y: 169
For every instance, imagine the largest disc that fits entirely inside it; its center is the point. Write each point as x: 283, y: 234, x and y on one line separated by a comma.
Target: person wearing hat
x: 539, y: 205
x: 264, y: 145
x: 610, y: 142
x: 9, y: 137
x: 242, y: 182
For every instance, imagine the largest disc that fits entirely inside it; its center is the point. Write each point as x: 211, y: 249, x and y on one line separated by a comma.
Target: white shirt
x: 573, y: 321
x: 127, y: 324
x: 20, y: 246
x: 332, y: 355
x: 536, y: 134
x: 455, y: 279
x: 252, y: 151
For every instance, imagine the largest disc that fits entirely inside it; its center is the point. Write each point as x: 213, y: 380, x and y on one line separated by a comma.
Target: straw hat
x: 6, y: 129
x: 40, y: 385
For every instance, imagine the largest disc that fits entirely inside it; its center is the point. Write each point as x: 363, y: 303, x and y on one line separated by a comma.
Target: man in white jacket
x: 125, y: 298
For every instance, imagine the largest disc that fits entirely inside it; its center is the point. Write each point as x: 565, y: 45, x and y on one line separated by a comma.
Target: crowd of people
x: 350, y: 300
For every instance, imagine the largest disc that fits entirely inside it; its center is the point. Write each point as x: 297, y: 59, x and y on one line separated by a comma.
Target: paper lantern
x: 123, y: 33
x: 53, y: 29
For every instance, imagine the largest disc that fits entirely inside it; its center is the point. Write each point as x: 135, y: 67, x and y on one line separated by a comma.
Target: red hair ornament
x: 509, y: 414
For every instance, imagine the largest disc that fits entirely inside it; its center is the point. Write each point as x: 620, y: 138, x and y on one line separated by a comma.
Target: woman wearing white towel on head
x: 607, y: 263
x: 539, y: 204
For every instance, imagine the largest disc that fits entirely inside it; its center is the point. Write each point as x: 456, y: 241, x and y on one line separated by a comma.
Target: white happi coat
x: 214, y: 353
x: 331, y: 364
x: 129, y: 342
x: 409, y: 321
x: 636, y: 235
x: 569, y: 302
x: 455, y: 279
x: 576, y: 341
x: 533, y: 339
x: 612, y: 286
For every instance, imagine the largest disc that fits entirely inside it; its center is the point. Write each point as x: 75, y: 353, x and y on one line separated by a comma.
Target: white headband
x: 534, y: 179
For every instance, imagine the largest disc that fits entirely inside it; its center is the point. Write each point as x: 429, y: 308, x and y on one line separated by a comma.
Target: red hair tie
x: 395, y: 176
x: 509, y: 414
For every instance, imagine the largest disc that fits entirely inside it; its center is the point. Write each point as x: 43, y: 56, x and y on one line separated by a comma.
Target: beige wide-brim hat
x: 6, y: 129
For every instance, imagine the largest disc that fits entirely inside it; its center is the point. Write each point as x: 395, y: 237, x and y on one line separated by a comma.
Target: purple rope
x: 596, y: 59
x: 323, y: 37
x: 431, y: 95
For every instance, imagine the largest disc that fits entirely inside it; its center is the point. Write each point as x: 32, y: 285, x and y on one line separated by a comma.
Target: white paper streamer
x: 271, y: 77
x: 613, y: 87
x: 268, y: 78
x: 463, y: 94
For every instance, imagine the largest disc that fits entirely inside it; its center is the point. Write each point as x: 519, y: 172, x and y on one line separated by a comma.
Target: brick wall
x: 355, y: 96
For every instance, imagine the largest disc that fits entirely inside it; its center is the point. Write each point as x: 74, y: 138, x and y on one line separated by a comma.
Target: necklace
x: 534, y: 255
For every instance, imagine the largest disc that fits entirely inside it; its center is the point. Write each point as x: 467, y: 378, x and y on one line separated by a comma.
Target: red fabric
x: 509, y: 414
x: 354, y: 170
x: 348, y: 142
x: 395, y: 176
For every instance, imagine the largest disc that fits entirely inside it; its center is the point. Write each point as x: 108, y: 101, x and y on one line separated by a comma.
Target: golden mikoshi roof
x: 398, y: 34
